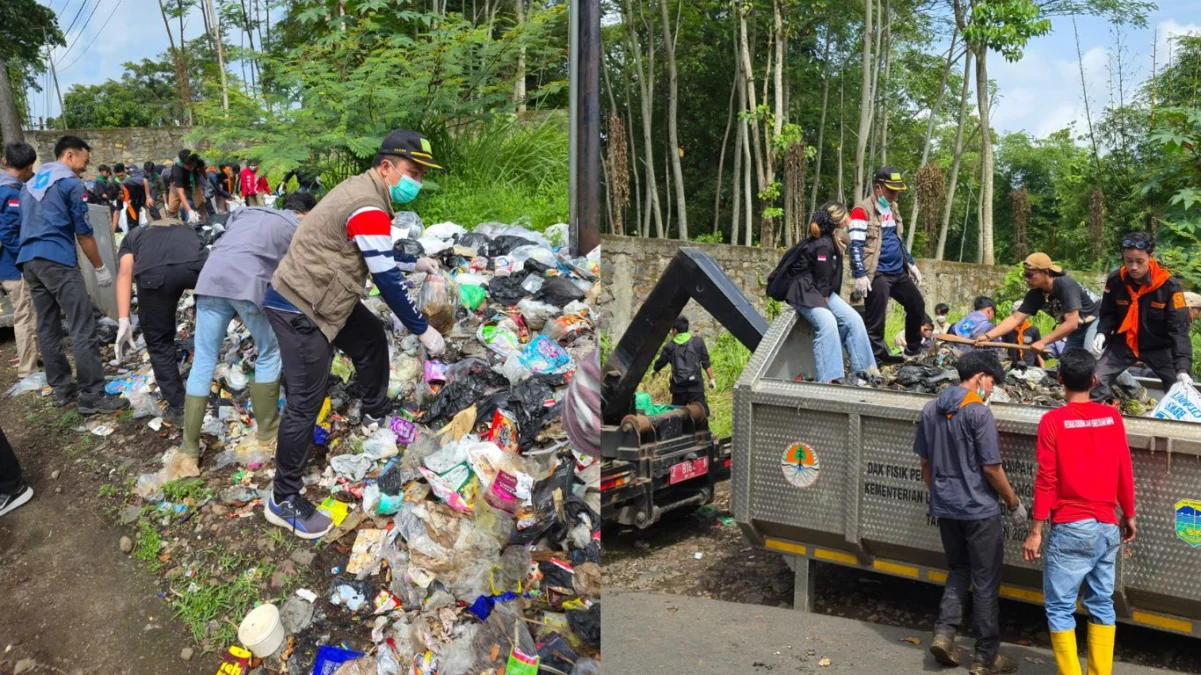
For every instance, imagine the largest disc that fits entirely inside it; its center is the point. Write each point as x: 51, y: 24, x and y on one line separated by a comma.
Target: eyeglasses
x: 1031, y: 273
x: 1140, y: 244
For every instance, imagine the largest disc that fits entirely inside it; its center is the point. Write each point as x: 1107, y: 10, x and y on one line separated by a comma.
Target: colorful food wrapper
x: 544, y: 356
x: 503, y: 431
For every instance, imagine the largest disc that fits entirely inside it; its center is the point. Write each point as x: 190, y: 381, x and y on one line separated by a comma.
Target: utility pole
x: 584, y: 136
x: 216, y: 20
x: 62, y: 110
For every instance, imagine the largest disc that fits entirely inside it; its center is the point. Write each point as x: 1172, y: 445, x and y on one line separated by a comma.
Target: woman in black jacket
x: 808, y: 278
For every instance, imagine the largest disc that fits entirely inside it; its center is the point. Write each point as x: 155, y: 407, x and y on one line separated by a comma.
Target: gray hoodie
x: 958, y: 436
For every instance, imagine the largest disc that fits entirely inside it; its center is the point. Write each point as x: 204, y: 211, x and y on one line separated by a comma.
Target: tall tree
x: 934, y: 106
x: 956, y: 160
x: 673, y: 134
x: 865, y: 101
x: 821, y: 127
x: 26, y: 28
x: 645, y: 90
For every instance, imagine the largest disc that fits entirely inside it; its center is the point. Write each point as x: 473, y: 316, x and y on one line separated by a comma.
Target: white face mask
x: 986, y: 398
x: 941, y: 318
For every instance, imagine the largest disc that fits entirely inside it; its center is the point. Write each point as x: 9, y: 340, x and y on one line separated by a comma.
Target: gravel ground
x: 663, y: 559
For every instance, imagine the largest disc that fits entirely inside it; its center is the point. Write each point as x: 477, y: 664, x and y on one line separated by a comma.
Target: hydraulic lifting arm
x: 691, y: 275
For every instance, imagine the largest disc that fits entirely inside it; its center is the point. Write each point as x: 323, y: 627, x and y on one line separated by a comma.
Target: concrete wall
x: 110, y: 146
x: 631, y: 266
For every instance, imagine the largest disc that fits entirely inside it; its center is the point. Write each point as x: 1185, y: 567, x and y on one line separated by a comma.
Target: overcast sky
x: 1040, y: 94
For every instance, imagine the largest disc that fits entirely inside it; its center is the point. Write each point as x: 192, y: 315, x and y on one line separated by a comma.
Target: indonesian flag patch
x: 821, y: 258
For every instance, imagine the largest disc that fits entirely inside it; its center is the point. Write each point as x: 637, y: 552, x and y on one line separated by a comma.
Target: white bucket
x: 261, y: 631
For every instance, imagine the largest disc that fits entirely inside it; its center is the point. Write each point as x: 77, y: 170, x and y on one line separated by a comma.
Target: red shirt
x: 1084, y: 468
x: 249, y: 182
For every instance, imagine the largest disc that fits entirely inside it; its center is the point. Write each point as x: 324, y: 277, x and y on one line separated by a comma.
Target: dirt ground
x: 664, y: 558
x: 74, y: 603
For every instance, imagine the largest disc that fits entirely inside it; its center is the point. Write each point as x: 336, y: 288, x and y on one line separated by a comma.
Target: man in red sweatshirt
x: 1084, y: 473
x: 250, y: 185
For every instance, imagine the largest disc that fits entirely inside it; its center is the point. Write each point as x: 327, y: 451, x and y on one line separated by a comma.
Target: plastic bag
x: 479, y: 241
x: 438, y: 299
x: 504, y: 243
x: 544, y: 356
x: 514, y: 369
x: 541, y: 254
x: 473, y: 296
x: 1182, y: 403
x: 565, y: 329
x: 517, y: 230
x: 433, y: 245
x: 141, y: 400
x: 536, y: 312
x: 408, y: 247
x: 559, y: 291
x: 380, y: 445
x: 507, y: 290
x: 407, y: 225
x: 445, y: 231
x: 34, y: 382
x: 499, y: 338
x: 353, y: 467
x: 557, y: 234
x: 533, y: 283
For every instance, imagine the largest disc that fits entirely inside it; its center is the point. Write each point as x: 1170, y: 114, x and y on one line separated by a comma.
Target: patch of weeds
x: 125, y: 415
x: 30, y: 417
x: 81, y: 445
x: 279, y: 539
x: 109, y: 490
x: 69, y: 419
x: 229, y: 561
x: 183, y: 489
x: 148, y: 546
x: 202, y: 602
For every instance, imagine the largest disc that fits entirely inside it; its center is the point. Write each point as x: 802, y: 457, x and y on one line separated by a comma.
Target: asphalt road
x: 652, y: 632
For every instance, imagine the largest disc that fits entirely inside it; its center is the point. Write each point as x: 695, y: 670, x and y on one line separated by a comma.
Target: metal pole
x: 586, y: 146
x: 573, y: 77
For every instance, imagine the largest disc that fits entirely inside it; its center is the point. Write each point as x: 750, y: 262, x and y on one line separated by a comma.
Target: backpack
x: 781, y: 278
x: 685, y: 364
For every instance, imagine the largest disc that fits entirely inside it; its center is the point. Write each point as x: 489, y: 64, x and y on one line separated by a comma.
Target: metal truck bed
x: 826, y: 472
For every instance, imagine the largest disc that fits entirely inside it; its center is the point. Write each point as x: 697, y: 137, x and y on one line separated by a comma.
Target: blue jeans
x: 1082, y: 551
x: 1082, y: 337
x: 835, y: 327
x: 212, y: 319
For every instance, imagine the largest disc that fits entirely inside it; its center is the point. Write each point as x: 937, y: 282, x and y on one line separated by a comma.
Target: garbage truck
x: 825, y: 472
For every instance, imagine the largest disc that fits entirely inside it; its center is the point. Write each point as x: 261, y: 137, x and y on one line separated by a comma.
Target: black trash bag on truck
x: 410, y: 247
x: 505, y: 243
x: 482, y: 243
x: 507, y: 291
x: 559, y: 291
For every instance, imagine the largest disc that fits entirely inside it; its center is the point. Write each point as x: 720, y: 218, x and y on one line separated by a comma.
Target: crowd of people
x: 181, y: 187
x: 294, y: 276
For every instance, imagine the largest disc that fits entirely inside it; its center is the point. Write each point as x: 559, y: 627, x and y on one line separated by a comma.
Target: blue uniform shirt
x: 49, y: 225
x: 10, y: 226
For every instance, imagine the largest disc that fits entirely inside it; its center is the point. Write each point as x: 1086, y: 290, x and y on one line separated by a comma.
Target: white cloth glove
x: 427, y: 265
x: 1098, y: 346
x: 124, y: 337
x: 712, y: 384
x: 915, y: 274
x: 103, y: 277
x: 863, y: 286
x: 193, y: 217
x: 1185, y: 379
x: 1018, y: 515
x: 432, y: 339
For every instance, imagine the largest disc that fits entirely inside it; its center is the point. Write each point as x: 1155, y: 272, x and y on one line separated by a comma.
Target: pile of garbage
x: 469, y: 525
x: 933, y: 372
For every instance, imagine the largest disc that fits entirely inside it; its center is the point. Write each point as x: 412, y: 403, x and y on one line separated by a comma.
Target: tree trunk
x: 519, y: 79
x: 10, y: 117
x: 648, y: 160
x: 942, y: 87
x: 721, y: 158
x: 986, y: 159
x: 672, y: 130
x: 876, y: 101
x: 736, y: 213
x: 842, y: 127
x: 865, y: 100
x: 748, y: 205
x: 946, y: 211
x: 181, y: 76
x: 821, y: 128
x: 766, y: 232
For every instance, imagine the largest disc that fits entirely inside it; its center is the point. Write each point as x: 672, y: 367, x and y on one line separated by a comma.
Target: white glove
x: 863, y: 286
x: 1098, y: 345
x: 124, y: 337
x: 432, y: 339
x: 104, y: 278
x: 1018, y: 514
x: 916, y: 274
x: 1185, y: 379
x: 712, y: 384
x: 427, y: 265
x: 193, y: 217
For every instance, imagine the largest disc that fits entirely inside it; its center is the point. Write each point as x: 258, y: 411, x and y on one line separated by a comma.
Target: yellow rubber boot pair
x: 1100, y: 649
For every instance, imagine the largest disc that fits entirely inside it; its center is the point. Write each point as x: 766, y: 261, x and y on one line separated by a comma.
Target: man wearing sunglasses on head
x: 1072, y: 306
x: 1144, y: 317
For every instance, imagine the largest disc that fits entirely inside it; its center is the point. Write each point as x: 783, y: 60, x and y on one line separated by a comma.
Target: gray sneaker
x: 105, y: 403
x: 63, y: 397
x: 298, y: 515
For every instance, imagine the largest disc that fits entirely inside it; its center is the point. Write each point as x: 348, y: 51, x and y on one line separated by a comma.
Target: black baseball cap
x: 410, y: 145
x: 891, y: 178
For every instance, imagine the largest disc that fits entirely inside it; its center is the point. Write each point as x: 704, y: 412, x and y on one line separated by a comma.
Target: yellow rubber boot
x: 1100, y: 649
x: 1063, y: 644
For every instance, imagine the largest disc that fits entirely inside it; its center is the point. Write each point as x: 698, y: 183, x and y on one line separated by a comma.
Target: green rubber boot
x: 265, y: 399
x: 194, y: 408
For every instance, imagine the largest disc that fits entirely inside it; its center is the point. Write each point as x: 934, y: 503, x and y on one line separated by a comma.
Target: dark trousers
x: 1118, y: 357
x: 55, y: 288
x: 683, y: 398
x: 307, y: 356
x: 901, y: 288
x: 975, y: 550
x: 10, y: 469
x: 159, y: 291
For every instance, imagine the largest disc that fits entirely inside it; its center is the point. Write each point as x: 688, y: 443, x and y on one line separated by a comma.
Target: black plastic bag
x: 410, y: 247
x: 507, y: 291
x: 538, y: 517
x: 505, y: 243
x: 461, y: 394
x: 559, y: 291
x: 554, y: 652
x: 557, y: 576
x: 482, y: 243
x: 586, y: 623
x: 529, y: 403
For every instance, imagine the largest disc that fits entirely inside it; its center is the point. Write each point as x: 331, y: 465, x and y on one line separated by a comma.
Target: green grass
x: 202, y: 602
x: 109, y: 490
x: 470, y: 204
x: 69, y: 419
x: 183, y: 489
x: 278, y: 537
x: 728, y: 357
x: 148, y: 545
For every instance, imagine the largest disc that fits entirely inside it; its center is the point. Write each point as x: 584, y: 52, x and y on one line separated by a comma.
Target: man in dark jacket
x: 1144, y: 317
x: 689, y: 360
x: 960, y: 453
x: 18, y: 168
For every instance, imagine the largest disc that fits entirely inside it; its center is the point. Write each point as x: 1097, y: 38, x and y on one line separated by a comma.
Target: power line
x: 82, y: 5
x: 81, y: 32
x: 98, y: 34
